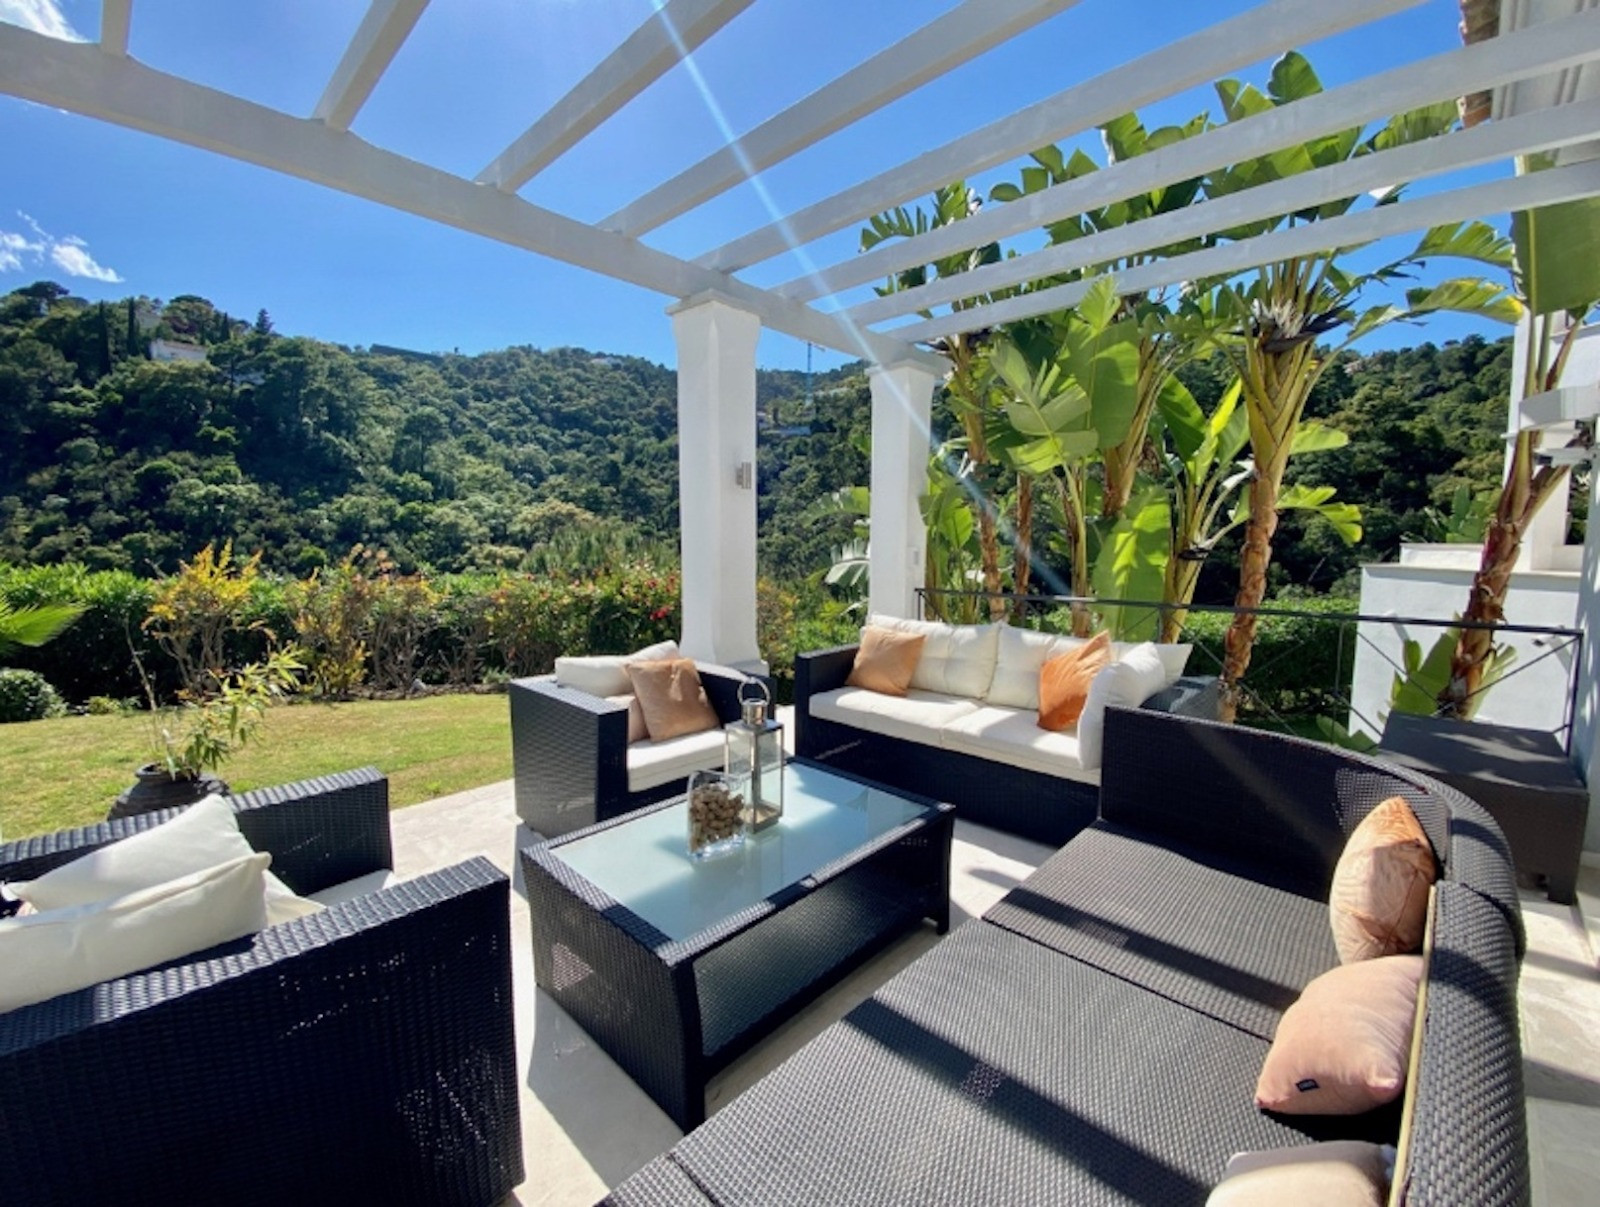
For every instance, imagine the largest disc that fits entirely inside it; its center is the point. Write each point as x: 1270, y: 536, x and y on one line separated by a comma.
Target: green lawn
x: 67, y: 772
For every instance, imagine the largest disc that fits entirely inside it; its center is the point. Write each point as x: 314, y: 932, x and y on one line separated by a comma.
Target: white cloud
x: 41, y: 16
x: 75, y: 261
x: 70, y: 254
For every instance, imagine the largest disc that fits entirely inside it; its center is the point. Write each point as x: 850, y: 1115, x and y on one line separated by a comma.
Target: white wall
x: 1430, y: 587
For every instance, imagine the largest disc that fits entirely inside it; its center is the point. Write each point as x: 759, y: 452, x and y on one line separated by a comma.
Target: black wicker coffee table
x: 676, y: 967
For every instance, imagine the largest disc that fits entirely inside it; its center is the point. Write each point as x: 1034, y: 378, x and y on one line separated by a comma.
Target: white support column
x: 716, y: 479
x: 902, y: 401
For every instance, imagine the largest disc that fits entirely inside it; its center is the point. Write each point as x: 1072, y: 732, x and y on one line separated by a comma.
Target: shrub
x: 94, y: 656
x: 195, y: 611
x: 1299, y: 666
x: 27, y: 696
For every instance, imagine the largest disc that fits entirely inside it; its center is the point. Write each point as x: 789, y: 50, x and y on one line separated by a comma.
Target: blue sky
x: 110, y: 211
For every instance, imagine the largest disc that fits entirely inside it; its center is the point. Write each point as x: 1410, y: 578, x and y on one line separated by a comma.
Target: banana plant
x: 1272, y: 322
x: 969, y: 381
x: 850, y: 567
x: 1211, y: 482
x: 1159, y: 350
x: 1069, y: 385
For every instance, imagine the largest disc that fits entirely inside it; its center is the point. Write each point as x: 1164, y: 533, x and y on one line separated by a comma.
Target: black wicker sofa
x: 1096, y: 1037
x: 1020, y: 800
x: 362, y: 1054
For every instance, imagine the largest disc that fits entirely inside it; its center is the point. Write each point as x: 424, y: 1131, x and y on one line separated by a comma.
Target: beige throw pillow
x: 1064, y: 682
x: 58, y: 951
x: 885, y: 660
x: 671, y: 698
x: 1378, y: 904
x: 202, y: 836
x: 1339, y: 1173
x: 1344, y: 1047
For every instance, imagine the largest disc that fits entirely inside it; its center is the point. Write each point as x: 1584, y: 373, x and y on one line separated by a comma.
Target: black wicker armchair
x: 569, y: 751
x: 361, y: 1054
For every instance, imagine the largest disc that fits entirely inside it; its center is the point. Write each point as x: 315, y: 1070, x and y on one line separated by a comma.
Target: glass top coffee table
x: 675, y: 966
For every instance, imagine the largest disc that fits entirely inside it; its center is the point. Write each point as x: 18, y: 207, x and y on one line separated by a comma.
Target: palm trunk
x: 1182, y: 574
x: 1022, y: 559
x: 1122, y: 461
x: 1526, y: 489
x: 1254, y: 559
x: 1524, y: 492
x: 1077, y: 524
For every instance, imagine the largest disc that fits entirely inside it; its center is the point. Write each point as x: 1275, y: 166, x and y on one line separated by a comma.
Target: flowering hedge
x: 378, y: 626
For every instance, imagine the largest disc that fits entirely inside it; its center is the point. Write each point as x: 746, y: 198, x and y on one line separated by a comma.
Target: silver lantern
x: 755, y: 755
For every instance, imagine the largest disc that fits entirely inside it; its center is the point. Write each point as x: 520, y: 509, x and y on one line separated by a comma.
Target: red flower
x: 659, y: 614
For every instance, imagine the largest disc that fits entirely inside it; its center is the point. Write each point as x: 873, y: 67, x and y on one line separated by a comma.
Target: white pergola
x: 1546, y: 99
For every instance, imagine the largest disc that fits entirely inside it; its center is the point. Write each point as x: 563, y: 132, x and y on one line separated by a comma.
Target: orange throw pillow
x: 1064, y: 682
x: 886, y: 660
x: 1379, y: 901
x: 671, y: 698
x: 1344, y: 1047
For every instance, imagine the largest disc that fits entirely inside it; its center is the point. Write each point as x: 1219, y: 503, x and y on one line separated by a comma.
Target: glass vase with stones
x: 755, y: 755
x: 716, y: 814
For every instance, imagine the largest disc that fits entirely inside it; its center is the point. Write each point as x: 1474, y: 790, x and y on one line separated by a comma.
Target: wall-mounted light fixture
x: 744, y: 475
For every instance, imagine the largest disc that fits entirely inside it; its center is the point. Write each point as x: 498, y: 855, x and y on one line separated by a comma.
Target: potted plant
x: 192, y: 741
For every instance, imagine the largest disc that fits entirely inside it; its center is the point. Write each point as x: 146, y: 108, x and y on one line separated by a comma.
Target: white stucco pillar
x: 902, y: 400
x: 717, y: 479
x: 1586, y: 722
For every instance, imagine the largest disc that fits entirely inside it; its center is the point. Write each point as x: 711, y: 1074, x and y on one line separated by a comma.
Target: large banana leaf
x: 1558, y: 255
x: 1132, y: 564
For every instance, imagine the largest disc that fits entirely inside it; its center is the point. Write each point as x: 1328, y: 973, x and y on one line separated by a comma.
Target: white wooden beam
x: 115, y: 17
x: 384, y: 29
x: 1187, y: 63
x: 1552, y: 187
x: 1452, y: 74
x: 942, y: 45
x: 82, y: 79
x: 672, y: 32
x: 1487, y: 143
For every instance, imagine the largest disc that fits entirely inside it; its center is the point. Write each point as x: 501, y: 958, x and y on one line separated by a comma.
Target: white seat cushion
x: 349, y: 890
x: 651, y: 764
x: 957, y: 659
x: 58, y: 951
x: 1012, y: 736
x: 1128, y: 682
x: 1021, y: 655
x: 917, y: 716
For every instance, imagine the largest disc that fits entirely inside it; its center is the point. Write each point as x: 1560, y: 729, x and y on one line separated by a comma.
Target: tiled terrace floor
x: 586, y: 1126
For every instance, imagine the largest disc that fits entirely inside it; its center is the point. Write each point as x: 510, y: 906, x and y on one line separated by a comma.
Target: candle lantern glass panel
x: 755, y: 755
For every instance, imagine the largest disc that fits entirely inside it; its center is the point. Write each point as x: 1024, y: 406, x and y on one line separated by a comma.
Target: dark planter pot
x: 156, y: 788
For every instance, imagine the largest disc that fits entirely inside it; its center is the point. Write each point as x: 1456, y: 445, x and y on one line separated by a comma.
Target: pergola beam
x: 115, y: 18
x: 384, y: 29
x: 942, y: 45
x: 672, y: 32
x: 1187, y: 63
x: 1490, y: 142
x: 1552, y: 187
x: 1443, y: 77
x: 81, y: 79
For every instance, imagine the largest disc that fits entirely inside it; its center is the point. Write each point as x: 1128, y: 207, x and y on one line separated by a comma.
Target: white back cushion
x: 1127, y: 683
x: 1174, y: 655
x: 61, y: 950
x: 606, y: 674
x: 957, y: 659
x: 202, y: 836
x: 1021, y: 655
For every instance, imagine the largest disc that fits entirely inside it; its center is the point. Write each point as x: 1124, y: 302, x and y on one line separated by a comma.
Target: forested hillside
x: 303, y: 449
